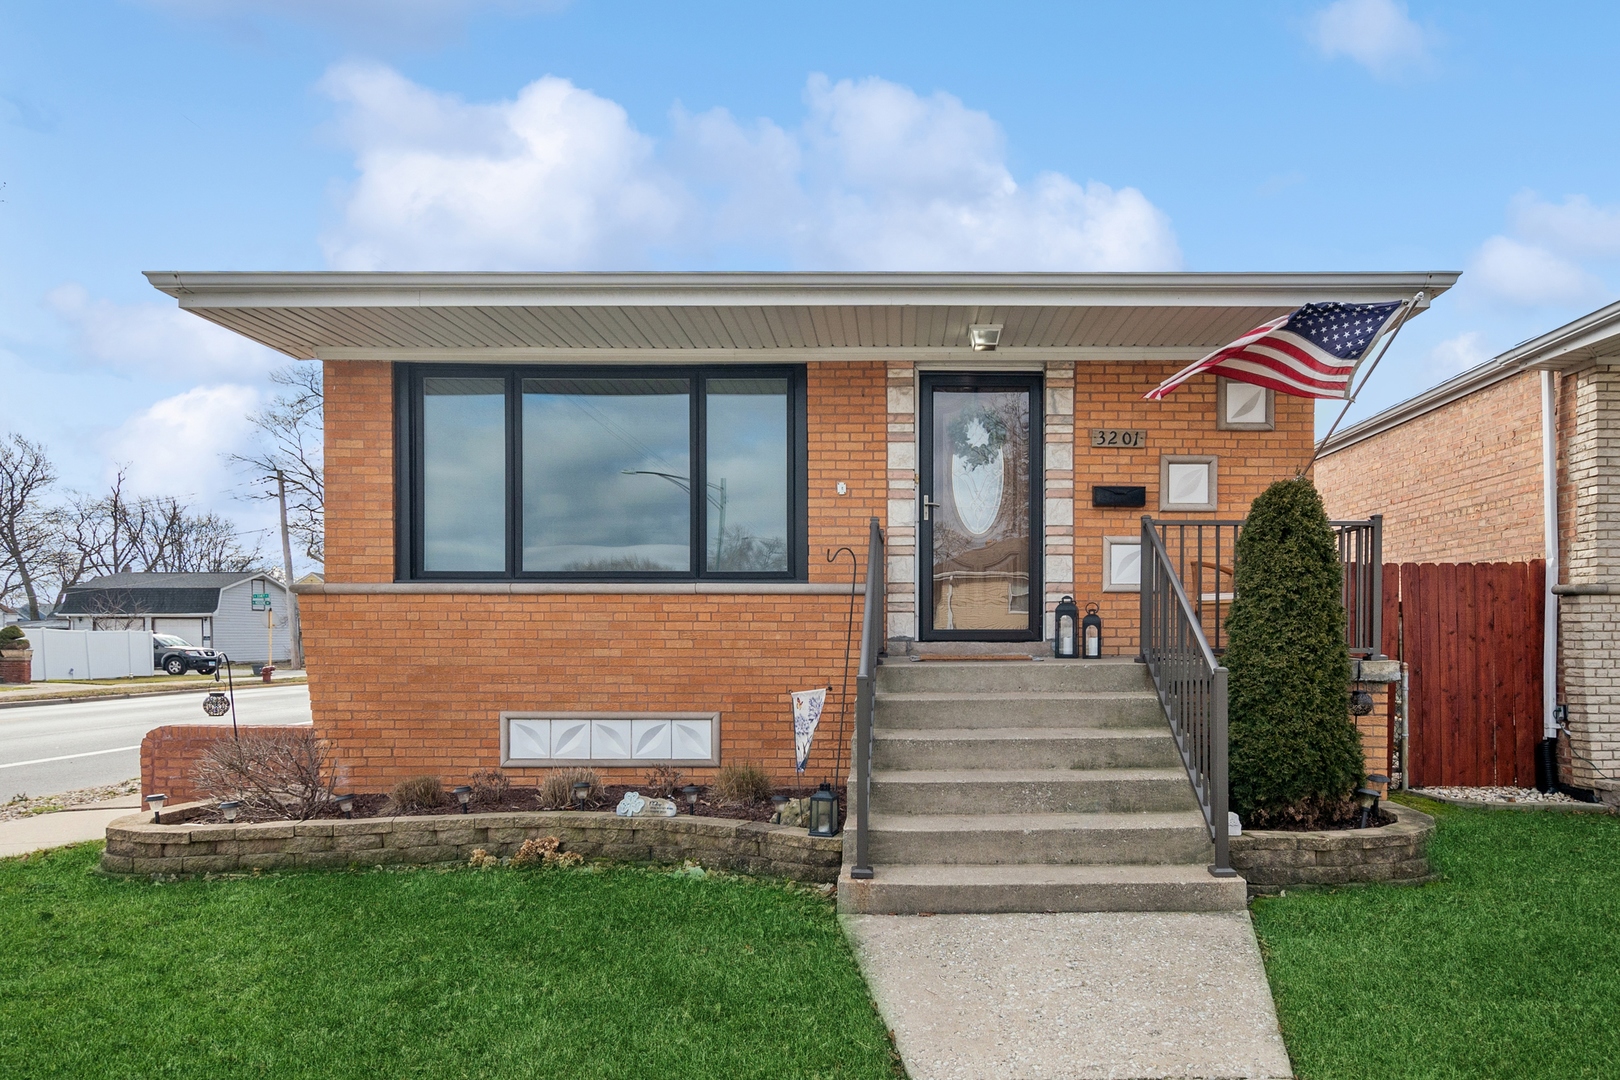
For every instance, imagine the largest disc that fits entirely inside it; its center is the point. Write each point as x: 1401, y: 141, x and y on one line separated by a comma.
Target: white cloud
x: 1456, y: 354
x: 1574, y: 228
x: 157, y: 339
x: 174, y: 446
x: 1527, y: 275
x: 876, y: 177
x: 1377, y: 34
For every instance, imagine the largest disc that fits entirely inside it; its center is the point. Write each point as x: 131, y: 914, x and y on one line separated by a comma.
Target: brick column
x: 1059, y: 481
x: 1590, y: 625
x: 900, y: 531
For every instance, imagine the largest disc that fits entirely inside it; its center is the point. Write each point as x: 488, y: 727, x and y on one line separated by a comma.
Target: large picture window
x: 604, y: 474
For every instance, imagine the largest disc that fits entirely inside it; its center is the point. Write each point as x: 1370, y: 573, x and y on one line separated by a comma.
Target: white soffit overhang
x: 629, y: 317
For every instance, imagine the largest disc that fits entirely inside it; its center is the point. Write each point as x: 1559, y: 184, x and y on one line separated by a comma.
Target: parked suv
x: 178, y: 656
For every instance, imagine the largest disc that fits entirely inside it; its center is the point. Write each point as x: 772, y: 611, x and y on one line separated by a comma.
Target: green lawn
x: 1509, y: 966
x: 497, y: 973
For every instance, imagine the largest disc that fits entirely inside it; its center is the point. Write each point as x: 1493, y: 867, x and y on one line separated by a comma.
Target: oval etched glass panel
x: 977, y: 491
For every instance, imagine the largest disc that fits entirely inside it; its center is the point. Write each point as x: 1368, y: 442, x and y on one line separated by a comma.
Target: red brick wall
x: 169, y: 757
x: 1109, y: 395
x: 1459, y: 484
x: 406, y: 684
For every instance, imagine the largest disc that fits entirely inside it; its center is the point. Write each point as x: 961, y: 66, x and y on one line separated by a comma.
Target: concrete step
x: 1030, y: 791
x: 912, y: 890
x: 898, y: 675
x: 1113, y: 709
x: 1004, y: 839
x: 1024, y: 748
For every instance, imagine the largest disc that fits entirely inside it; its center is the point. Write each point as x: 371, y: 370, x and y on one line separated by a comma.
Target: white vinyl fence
x: 90, y: 654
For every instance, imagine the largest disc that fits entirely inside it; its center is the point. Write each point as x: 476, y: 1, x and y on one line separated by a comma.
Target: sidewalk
x: 51, y: 693
x: 1060, y: 996
x: 23, y: 835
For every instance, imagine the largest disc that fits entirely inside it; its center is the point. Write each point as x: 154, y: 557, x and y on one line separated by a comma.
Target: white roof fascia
x: 230, y: 289
x: 1575, y: 344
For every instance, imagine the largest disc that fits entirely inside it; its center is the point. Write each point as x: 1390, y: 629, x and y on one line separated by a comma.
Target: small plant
x: 12, y: 639
x: 557, y: 789
x: 534, y: 851
x: 489, y: 787
x: 416, y: 793
x: 483, y: 860
x: 743, y: 783
x: 272, y: 774
x: 663, y: 780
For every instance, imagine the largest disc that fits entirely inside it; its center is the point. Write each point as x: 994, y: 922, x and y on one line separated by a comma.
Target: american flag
x: 1310, y: 352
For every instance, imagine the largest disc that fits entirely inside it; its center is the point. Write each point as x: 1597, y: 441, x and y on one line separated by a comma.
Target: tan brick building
x: 1516, y: 460
x: 586, y: 518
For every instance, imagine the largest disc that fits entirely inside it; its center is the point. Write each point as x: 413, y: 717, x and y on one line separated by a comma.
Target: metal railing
x: 872, y: 638
x: 1203, y: 556
x: 1191, y: 685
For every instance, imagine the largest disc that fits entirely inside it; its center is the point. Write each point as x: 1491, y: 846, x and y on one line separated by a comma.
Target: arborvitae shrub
x: 1295, y: 753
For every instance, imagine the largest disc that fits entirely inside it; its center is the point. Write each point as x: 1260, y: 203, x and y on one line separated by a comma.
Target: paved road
x: 49, y: 748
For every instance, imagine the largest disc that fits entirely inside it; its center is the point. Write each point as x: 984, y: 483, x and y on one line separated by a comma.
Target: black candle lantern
x: 1066, y: 630
x: 824, y: 812
x: 1361, y: 703
x: 1091, y: 633
x: 216, y: 703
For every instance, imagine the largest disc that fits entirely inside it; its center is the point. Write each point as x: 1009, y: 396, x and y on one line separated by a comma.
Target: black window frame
x: 409, y: 470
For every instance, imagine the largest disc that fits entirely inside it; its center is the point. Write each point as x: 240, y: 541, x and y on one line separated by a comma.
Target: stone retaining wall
x: 135, y: 845
x: 1396, y: 853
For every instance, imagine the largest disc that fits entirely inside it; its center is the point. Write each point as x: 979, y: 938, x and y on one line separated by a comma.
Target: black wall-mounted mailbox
x: 1113, y: 495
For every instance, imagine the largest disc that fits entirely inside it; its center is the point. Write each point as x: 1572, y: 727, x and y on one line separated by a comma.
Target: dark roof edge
x: 1569, y: 346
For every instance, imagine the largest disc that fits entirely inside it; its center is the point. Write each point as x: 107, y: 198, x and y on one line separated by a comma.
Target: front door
x: 980, y: 523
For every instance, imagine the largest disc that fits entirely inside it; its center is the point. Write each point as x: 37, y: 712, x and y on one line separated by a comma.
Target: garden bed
x: 1396, y: 853
x: 184, y: 844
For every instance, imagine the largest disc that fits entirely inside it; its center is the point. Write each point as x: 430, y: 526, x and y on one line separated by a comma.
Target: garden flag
x: 807, y: 706
x: 1310, y: 352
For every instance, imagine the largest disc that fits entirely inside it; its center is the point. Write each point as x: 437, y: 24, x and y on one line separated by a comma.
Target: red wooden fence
x: 1470, y: 634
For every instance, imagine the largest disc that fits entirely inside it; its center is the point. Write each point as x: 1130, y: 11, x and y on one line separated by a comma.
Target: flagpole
x: 1389, y: 339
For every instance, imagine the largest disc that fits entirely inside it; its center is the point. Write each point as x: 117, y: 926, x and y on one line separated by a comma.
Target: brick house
x: 1512, y: 461
x: 586, y: 518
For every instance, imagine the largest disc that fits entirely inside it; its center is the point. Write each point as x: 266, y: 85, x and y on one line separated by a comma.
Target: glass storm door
x: 980, y: 511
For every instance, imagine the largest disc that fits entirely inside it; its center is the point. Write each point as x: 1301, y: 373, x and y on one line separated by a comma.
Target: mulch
x: 370, y: 805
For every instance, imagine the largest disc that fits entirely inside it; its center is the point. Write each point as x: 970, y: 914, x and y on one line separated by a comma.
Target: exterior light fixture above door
x: 985, y: 336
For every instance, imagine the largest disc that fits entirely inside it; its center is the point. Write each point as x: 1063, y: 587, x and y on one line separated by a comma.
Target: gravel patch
x: 23, y: 806
x: 1497, y: 794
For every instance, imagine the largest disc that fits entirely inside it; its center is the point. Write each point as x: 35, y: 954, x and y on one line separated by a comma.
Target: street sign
x: 261, y: 601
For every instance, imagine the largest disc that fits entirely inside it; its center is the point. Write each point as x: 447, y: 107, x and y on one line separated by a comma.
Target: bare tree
x: 26, y: 540
x: 290, y: 434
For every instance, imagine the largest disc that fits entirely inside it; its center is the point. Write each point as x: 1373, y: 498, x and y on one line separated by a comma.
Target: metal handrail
x: 1203, y: 556
x: 1191, y: 686
x: 872, y: 631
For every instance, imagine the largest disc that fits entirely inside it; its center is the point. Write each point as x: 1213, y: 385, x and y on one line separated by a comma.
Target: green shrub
x: 416, y: 793
x: 1295, y: 754
x: 11, y: 637
x: 743, y: 782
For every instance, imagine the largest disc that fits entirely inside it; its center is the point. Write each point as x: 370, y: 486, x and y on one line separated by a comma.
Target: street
x: 45, y: 749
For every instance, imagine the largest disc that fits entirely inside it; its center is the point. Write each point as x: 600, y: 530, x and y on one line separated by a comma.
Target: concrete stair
x: 1002, y: 786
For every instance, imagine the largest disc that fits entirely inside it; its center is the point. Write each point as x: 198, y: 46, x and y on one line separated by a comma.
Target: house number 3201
x: 1120, y: 437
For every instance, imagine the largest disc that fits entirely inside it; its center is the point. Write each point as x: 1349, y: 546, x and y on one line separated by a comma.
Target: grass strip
x: 1508, y: 966
x: 499, y: 973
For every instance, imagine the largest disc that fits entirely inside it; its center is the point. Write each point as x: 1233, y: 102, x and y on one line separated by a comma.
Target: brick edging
x: 135, y: 845
x: 1394, y: 854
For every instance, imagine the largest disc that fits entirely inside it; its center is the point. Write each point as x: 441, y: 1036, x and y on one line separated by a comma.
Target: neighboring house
x: 586, y: 519
x: 9, y: 616
x: 1515, y: 460
x: 211, y: 610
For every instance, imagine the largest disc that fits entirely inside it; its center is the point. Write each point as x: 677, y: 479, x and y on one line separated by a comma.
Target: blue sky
x: 429, y: 134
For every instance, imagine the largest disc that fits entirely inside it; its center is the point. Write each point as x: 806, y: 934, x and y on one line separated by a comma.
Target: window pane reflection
x: 464, y: 474
x: 607, y: 475
x: 747, y: 463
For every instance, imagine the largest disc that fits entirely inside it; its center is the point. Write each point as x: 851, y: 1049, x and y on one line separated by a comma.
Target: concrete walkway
x: 28, y: 834
x: 1117, y: 995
